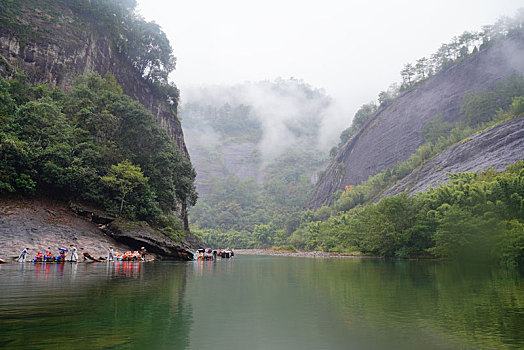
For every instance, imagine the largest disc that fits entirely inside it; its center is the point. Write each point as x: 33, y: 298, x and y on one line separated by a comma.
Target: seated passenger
x: 38, y: 257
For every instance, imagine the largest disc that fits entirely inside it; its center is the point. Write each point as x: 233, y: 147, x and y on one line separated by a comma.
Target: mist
x: 283, y: 108
x: 353, y: 50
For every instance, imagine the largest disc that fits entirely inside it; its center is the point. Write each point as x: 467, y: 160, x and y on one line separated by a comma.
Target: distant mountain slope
x: 497, y: 147
x: 395, y: 131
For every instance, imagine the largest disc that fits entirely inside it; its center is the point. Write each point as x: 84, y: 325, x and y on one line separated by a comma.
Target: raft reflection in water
x: 125, y: 305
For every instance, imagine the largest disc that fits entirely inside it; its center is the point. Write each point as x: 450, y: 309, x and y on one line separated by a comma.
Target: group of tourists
x: 208, y: 254
x: 48, y: 255
x: 127, y: 256
x: 63, y: 253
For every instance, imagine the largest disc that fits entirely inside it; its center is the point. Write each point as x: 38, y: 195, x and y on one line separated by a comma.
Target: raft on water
x: 90, y: 258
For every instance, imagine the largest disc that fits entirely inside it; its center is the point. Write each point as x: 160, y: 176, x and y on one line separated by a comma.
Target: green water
x: 252, y: 302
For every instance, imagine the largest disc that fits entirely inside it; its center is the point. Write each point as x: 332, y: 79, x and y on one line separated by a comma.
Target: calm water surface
x: 253, y: 302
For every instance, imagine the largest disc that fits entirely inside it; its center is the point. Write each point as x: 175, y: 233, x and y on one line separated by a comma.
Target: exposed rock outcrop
x: 395, y: 131
x: 136, y: 236
x: 497, y: 147
x: 41, y: 223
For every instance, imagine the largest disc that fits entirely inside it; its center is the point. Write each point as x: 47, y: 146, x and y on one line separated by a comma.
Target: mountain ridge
x: 394, y: 132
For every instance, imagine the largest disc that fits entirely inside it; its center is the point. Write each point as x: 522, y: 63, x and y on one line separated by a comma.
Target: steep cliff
x: 497, y: 147
x: 230, y: 159
x: 52, y: 44
x: 394, y: 132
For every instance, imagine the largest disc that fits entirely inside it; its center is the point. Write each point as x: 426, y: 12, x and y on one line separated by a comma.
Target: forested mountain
x: 454, y: 132
x: 460, y: 111
x: 255, y: 149
x: 88, y: 113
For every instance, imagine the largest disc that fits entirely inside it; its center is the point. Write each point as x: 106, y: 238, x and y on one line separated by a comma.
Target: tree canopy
x: 73, y: 145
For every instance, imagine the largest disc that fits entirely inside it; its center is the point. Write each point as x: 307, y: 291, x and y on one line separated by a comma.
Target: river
x: 261, y: 302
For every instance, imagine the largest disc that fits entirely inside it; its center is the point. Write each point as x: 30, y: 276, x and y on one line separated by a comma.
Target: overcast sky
x: 352, y: 49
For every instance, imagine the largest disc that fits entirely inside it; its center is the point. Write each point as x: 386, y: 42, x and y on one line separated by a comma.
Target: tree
x: 264, y: 234
x: 407, y: 73
x: 124, y: 177
x: 149, y: 51
x: 421, y: 67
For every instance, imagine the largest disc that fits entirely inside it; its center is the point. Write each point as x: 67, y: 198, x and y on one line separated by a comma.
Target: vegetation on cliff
x: 70, y: 145
x: 479, y: 112
x: 477, y: 216
x: 448, y: 54
x: 143, y: 45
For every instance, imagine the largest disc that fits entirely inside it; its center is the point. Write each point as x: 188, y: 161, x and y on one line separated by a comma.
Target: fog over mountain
x: 353, y: 50
x: 287, y: 111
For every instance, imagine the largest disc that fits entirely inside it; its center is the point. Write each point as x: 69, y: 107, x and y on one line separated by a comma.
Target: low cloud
x: 288, y: 110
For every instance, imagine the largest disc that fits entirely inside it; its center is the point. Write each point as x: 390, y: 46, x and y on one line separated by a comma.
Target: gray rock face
x: 153, y: 241
x: 394, y: 132
x: 226, y: 159
x: 137, y: 235
x: 38, y: 224
x: 59, y: 65
x: 497, y: 147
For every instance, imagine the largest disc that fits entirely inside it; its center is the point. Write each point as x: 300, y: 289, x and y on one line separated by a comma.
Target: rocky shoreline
x: 39, y: 224
x: 301, y: 254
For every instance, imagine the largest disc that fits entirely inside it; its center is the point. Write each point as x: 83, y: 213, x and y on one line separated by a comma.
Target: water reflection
x: 261, y: 303
x: 125, y: 305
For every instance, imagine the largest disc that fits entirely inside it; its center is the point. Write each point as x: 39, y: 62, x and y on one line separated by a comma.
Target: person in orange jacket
x: 39, y: 256
x: 48, y: 255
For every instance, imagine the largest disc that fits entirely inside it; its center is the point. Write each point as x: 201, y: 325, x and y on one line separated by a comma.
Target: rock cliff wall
x: 395, y: 131
x: 497, y: 147
x: 55, y: 50
x: 53, y: 45
x: 230, y: 159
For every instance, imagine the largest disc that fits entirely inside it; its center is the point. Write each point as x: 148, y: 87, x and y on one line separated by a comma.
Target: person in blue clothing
x: 48, y: 256
x: 61, y: 256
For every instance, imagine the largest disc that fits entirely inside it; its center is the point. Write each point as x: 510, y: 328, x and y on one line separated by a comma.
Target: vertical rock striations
x: 57, y: 50
x: 395, y: 131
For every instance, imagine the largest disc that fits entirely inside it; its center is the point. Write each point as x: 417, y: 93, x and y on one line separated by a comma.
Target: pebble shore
x: 301, y: 254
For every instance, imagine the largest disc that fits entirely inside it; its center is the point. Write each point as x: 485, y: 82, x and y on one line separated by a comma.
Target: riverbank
x: 40, y: 224
x: 43, y: 224
x: 301, y: 254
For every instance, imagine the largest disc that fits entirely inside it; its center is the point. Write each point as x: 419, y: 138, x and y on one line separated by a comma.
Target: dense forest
x: 256, y: 157
x: 93, y: 144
